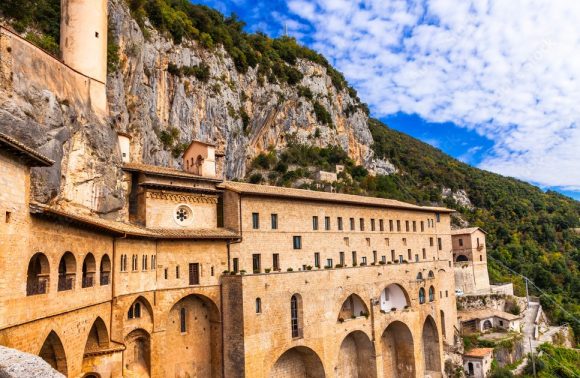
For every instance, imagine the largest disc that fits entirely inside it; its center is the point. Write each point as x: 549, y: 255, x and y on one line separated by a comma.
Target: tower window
x: 96, y: 34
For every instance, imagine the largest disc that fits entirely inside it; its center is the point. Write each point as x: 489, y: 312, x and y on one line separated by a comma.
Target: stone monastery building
x: 207, y: 278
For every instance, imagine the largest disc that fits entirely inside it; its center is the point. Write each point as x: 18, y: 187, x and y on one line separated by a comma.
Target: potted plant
x: 289, y: 270
x: 309, y: 267
x: 267, y: 270
x: 242, y: 272
x: 382, y: 262
x: 394, y: 309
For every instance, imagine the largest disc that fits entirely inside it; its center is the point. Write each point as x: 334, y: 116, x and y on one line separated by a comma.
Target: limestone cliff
x: 162, y: 110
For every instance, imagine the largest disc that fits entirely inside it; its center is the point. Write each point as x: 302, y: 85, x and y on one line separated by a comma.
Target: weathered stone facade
x: 470, y: 261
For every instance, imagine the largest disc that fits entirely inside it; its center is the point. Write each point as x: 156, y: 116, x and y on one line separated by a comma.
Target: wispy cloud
x: 508, y: 69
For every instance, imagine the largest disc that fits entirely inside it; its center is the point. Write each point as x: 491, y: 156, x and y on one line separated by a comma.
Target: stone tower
x: 83, y: 34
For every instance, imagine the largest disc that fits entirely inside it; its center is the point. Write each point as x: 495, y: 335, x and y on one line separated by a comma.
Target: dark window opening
x: 194, y: 274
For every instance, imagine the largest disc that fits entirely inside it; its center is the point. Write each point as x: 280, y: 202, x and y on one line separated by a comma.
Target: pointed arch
x: 431, y: 349
x: 299, y: 361
x: 137, y: 355
x: 140, y: 308
x: 356, y: 357
x: 98, y: 337
x: 352, y: 307
x: 52, y: 351
x: 398, y: 351
x: 38, y: 274
x: 89, y: 269
x: 394, y: 296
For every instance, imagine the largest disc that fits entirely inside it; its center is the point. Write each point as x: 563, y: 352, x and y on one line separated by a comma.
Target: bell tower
x: 83, y: 37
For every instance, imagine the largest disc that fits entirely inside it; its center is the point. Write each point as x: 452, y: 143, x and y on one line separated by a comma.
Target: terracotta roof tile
x: 33, y: 157
x: 479, y: 352
x: 464, y: 231
x: 276, y: 191
x: 164, y: 171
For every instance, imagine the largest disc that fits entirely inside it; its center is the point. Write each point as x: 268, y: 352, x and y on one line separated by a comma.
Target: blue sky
x: 490, y: 82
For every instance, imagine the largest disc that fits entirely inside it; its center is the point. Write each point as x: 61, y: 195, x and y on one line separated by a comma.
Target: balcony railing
x: 105, y: 278
x: 65, y: 283
x: 36, y: 287
x: 88, y: 281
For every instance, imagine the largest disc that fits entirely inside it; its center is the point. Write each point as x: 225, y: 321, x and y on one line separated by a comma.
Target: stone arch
x: 419, y: 276
x: 194, y: 333
x: 296, y: 315
x: 105, y: 270
x: 431, y: 274
x: 352, y: 307
x: 461, y: 258
x: 394, y: 296
x: 145, y: 309
x: 137, y: 355
x: 398, y: 351
x: 89, y: 270
x: 67, y: 271
x: 298, y: 362
x: 38, y: 274
x: 52, y: 351
x: 431, y: 349
x: 98, y: 338
x: 356, y: 357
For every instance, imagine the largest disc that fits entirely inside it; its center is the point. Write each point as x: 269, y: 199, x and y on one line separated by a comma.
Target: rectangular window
x: 327, y: 223
x: 347, y: 241
x: 182, y: 323
x: 329, y: 263
x: 407, y: 226
x: 316, y: 260
x: 398, y: 226
x: 391, y: 225
x: 363, y: 260
x: 439, y: 244
x: 381, y: 225
x: 177, y: 271
x: 414, y: 226
x: 392, y: 255
x: 431, y: 242
x: 362, y: 224
x: 424, y: 254
x: 166, y: 273
x: 339, y: 223
x: 315, y: 223
x: 368, y: 242
x: 375, y: 257
x: 477, y: 242
x: 400, y: 259
x: 122, y: 265
x: 153, y: 262
x: 422, y: 226
x: 384, y: 259
x: 460, y: 242
x: 354, y: 258
x: 8, y: 215
x: 409, y: 253
x: 276, y: 261
x: 236, y: 265
x: 256, y: 263
x: 274, y: 218
x: 297, y: 242
x: 372, y: 224
x: 341, y: 257
x: 404, y: 241
x: 255, y: 221
x: 194, y: 274
x: 387, y: 242
x: 352, y: 224
x: 212, y: 271
x: 144, y: 262
x: 438, y: 217
x: 416, y: 258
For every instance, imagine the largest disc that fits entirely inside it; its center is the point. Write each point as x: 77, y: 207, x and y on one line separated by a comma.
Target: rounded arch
x: 461, y: 258
x: 431, y: 274
x: 52, y: 351
x: 431, y: 349
x: 398, y: 351
x: 98, y: 337
x: 422, y: 295
x: 431, y: 293
x: 356, y: 356
x: 89, y: 270
x: 299, y: 361
x: 67, y: 270
x: 353, y: 306
x: 105, y: 270
x: 38, y: 274
x: 419, y: 276
x: 394, y: 297
x: 137, y: 354
x: 296, y: 315
x: 194, y: 333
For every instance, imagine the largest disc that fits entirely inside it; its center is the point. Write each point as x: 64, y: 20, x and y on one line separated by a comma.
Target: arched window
x: 134, y: 311
x: 421, y: 296
x: 431, y: 274
x: 89, y: 268
x: 258, y: 306
x: 38, y: 275
x: 461, y: 258
x: 105, y: 270
x: 66, y: 272
x: 295, y: 315
x: 419, y: 276
x: 431, y: 294
x: 182, y: 322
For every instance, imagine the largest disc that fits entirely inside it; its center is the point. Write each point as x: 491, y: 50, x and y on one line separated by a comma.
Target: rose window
x: 183, y: 215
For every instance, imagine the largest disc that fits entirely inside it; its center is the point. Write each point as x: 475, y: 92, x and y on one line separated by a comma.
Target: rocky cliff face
x: 146, y: 98
x: 163, y: 110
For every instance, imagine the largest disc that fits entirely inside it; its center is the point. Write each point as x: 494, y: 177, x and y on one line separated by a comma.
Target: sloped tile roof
x: 32, y: 157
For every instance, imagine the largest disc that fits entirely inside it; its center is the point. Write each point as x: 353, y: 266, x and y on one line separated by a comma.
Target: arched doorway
x: 37, y: 275
x: 52, y: 351
x: 137, y: 355
x: 393, y: 298
x: 431, y: 350
x: 194, y: 333
x: 298, y: 362
x: 356, y: 357
x: 398, y: 352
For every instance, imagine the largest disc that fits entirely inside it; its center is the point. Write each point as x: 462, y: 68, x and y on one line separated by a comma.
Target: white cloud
x: 508, y: 69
